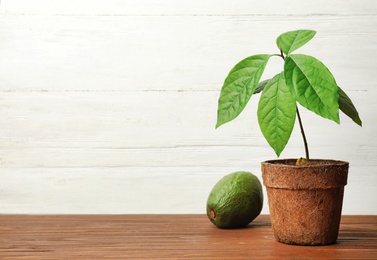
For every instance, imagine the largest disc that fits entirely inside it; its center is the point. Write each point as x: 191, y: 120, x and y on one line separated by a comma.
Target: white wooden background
x: 110, y: 106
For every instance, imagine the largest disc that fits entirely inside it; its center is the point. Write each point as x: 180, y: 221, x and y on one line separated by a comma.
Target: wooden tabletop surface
x: 168, y: 237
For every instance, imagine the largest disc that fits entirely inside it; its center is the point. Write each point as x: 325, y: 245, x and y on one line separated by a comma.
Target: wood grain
x: 168, y: 237
x: 104, y: 104
x: 188, y: 7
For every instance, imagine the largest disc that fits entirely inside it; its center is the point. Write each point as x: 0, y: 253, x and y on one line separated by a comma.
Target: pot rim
x: 323, y: 174
x: 291, y: 163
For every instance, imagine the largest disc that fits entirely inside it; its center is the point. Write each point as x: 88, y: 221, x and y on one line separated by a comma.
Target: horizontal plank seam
x: 7, y: 13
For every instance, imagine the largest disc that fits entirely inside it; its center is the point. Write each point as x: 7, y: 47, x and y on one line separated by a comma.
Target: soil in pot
x: 305, y: 201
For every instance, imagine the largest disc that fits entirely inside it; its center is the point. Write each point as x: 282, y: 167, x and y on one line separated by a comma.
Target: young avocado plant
x: 304, y: 80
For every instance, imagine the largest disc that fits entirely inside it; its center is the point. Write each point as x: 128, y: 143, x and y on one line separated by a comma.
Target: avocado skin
x: 235, y: 200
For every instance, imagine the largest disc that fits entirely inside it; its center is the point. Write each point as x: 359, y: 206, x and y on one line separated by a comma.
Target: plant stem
x: 303, y: 135
x: 281, y: 53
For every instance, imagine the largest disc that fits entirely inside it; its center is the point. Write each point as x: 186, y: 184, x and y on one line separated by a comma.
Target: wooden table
x: 168, y: 237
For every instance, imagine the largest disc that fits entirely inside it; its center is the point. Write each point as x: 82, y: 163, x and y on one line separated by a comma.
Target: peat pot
x: 305, y: 201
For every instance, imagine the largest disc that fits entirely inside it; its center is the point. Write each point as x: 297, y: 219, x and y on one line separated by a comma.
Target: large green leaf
x: 293, y: 40
x: 313, y: 85
x: 347, y: 107
x: 239, y: 86
x: 277, y: 113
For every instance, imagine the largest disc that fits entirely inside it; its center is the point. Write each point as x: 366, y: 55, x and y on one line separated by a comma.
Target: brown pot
x: 305, y: 201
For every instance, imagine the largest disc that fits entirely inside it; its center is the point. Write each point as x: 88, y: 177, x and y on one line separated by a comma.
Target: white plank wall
x: 110, y: 106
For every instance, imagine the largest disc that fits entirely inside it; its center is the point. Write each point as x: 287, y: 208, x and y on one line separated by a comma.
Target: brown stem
x: 303, y: 135
x: 282, y: 54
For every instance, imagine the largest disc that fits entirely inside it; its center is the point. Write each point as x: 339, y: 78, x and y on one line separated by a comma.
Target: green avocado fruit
x: 235, y: 200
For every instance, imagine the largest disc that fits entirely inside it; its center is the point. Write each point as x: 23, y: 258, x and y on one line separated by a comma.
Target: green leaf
x: 239, y: 86
x: 277, y: 113
x: 313, y: 85
x: 290, y: 41
x: 260, y: 86
x: 347, y: 107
